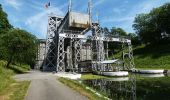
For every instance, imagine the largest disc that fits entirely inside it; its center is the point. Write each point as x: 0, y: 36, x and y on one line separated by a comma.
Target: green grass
x: 81, y: 88
x: 19, y: 90
x: 152, y: 57
x: 8, y: 86
x: 92, y: 76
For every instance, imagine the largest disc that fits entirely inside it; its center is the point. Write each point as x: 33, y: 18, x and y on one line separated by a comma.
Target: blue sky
x: 32, y: 15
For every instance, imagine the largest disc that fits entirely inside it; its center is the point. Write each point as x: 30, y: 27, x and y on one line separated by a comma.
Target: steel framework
x: 64, y: 43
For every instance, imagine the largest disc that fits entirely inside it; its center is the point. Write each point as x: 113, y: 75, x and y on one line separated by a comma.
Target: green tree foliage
x: 134, y: 39
x: 19, y: 46
x: 154, y: 27
x: 4, y: 23
x: 115, y: 32
x: 118, y: 32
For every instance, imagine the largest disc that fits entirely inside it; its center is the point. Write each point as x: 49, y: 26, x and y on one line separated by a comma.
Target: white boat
x: 150, y: 71
x: 109, y: 61
x: 117, y: 73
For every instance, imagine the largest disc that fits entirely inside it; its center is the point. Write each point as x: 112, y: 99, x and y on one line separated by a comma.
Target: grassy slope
x: 150, y: 57
x: 157, y: 57
x: 9, y: 88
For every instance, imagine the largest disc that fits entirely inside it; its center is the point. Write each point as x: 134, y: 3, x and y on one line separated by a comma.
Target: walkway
x: 45, y: 86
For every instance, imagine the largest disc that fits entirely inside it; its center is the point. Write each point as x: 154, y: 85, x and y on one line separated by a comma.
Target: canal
x: 134, y: 87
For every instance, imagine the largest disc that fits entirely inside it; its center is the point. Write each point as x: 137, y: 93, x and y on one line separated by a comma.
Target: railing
x: 70, y: 32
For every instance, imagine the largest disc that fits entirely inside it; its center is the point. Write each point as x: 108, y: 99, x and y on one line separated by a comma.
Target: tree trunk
x: 9, y: 61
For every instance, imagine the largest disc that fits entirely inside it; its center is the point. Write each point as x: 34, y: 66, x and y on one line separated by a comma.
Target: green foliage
x: 154, y: 27
x: 134, y: 39
x: 16, y: 45
x: 4, y: 23
x: 117, y: 32
x: 19, y: 46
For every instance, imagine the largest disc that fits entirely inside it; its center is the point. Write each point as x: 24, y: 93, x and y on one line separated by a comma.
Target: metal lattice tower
x: 51, y: 43
x: 65, y: 36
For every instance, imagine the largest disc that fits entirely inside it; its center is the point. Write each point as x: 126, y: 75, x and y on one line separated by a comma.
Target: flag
x: 47, y: 5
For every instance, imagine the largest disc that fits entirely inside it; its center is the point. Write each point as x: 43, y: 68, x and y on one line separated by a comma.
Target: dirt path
x: 45, y: 86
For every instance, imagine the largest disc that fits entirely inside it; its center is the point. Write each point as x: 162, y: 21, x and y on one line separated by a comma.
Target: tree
x: 153, y: 27
x: 134, y: 39
x: 19, y: 45
x: 117, y: 32
x: 143, y: 27
x: 164, y: 18
x: 4, y: 23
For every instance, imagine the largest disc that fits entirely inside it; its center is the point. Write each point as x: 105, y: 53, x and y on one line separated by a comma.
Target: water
x: 134, y: 87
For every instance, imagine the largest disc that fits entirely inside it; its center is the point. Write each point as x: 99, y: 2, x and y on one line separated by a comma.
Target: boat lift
x: 65, y: 47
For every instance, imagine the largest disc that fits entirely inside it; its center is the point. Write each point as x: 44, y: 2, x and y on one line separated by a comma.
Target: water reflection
x: 151, y: 75
x: 134, y: 87
x: 115, y: 88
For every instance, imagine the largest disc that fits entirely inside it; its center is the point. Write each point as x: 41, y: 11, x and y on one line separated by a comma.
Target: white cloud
x: 38, y: 22
x: 14, y: 3
x: 98, y: 2
x: 126, y: 20
x: 121, y: 19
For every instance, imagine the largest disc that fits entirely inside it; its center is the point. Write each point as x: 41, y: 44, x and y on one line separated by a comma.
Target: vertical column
x: 77, y: 47
x: 98, y: 49
x: 70, y: 55
x: 101, y: 55
x: 124, y: 57
x: 130, y: 51
x: 133, y: 86
x: 107, y: 55
x: 127, y: 56
x: 61, y: 55
x: 50, y: 57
